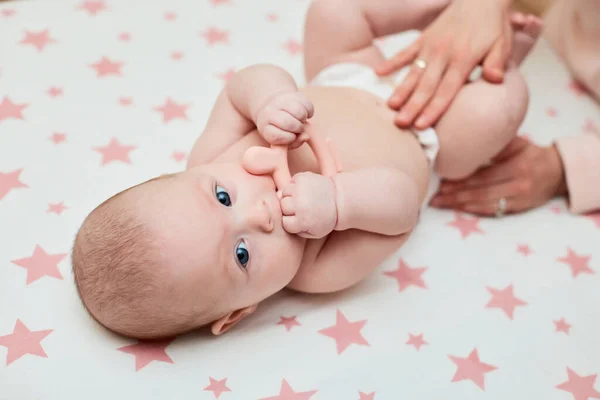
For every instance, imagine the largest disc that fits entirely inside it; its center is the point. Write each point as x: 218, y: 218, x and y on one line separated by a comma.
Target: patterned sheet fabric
x: 98, y: 95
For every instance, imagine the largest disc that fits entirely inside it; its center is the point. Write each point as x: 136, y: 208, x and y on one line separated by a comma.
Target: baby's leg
x: 344, y: 30
x: 484, y: 117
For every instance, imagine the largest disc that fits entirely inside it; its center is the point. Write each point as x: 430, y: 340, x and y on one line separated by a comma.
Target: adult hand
x: 466, y: 33
x: 524, y: 174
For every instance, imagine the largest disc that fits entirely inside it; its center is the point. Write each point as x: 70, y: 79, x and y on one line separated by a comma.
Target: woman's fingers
x: 404, y: 89
x: 401, y: 59
x: 479, y: 195
x: 495, y: 62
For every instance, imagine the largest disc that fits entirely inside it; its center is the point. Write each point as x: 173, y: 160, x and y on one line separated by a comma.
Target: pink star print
x: 125, y: 37
x: 56, y: 208
x: 579, y: 264
x: 170, y: 16
x: 40, y: 264
x: 9, y: 181
x: 219, y: 2
x: 287, y: 393
x: 105, y: 67
x: 23, y: 341
x: 416, y: 340
x: 590, y: 127
x: 115, y: 151
x: 176, y: 55
x: 214, y: 35
x: 178, y: 156
x: 8, y: 12
x: 226, y: 75
x: 524, y: 249
x: 171, y: 110
x: 581, y: 387
x: 288, y: 322
x: 293, y: 47
x: 556, y: 209
x: 562, y: 326
x: 595, y: 217
x: 272, y: 17
x: 146, y: 351
x: 406, y: 276
x: 217, y: 387
x: 39, y: 40
x: 54, y: 91
x: 465, y: 225
x: 58, y: 138
x: 505, y: 300
x: 471, y: 368
x: 8, y: 109
x: 93, y: 7
x: 125, y: 101
x: 366, y: 396
x: 345, y: 332
x: 551, y: 112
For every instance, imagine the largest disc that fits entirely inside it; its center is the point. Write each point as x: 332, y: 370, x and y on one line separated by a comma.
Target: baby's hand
x: 281, y: 120
x: 308, y: 205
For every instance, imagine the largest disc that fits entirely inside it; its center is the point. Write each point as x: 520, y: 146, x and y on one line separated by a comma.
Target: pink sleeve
x: 581, y: 160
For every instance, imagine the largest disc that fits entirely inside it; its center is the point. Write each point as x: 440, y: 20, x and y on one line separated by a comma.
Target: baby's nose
x: 260, y: 217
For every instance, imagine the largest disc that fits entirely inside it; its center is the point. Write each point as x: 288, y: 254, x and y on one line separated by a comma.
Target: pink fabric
x: 581, y: 159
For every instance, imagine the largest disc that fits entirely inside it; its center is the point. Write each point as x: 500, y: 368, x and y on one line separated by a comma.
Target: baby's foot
x: 527, y: 28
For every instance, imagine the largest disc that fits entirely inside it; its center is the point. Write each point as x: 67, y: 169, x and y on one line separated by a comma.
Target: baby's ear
x: 225, y: 323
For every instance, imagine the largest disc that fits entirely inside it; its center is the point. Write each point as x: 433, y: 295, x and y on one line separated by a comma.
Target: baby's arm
x: 235, y: 111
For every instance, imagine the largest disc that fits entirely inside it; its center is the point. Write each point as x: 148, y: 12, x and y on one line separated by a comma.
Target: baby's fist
x: 308, y: 205
x: 281, y: 120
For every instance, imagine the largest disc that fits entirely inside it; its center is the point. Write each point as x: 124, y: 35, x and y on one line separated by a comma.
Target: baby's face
x: 221, y: 236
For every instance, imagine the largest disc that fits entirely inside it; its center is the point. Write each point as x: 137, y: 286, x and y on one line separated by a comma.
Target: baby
x: 206, y: 245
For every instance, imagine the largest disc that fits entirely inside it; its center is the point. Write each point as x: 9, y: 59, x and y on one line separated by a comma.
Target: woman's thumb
x: 494, y: 63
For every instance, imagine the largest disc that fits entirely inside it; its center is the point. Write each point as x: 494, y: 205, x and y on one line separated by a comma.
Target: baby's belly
x: 362, y: 129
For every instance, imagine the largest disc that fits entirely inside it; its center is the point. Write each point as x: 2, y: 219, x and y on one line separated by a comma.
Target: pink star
x: 551, y: 112
x: 345, y: 332
x: 55, y: 91
x: 581, y: 387
x: 23, y: 341
x: 556, y: 209
x: 106, y: 67
x: 406, y: 276
x: 170, y: 16
x: 466, y: 226
x: 366, y: 396
x: 171, y: 110
x: 214, y: 35
x: 293, y: 47
x: 8, y: 109
x: 40, y: 264
x: 93, y: 7
x: 562, y: 326
x: 56, y: 208
x: 146, y: 351
x: 217, y: 387
x: 471, y: 368
x: 505, y: 300
x: 226, y: 75
x: 577, y: 88
x: 289, y: 322
x: 594, y: 217
x: 220, y: 2
x: 590, y: 127
x: 125, y: 37
x: 524, y: 249
x: 8, y: 12
x: 579, y: 264
x: 115, y: 151
x: 179, y: 156
x: 287, y: 393
x: 39, y: 40
x: 9, y: 181
x: 58, y: 138
x: 272, y: 17
x: 177, y: 55
x: 125, y: 101
x: 416, y: 340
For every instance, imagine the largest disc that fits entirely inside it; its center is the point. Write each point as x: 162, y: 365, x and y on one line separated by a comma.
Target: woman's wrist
x: 557, y: 171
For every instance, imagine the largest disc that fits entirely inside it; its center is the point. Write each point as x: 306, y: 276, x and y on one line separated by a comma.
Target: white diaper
x: 360, y: 76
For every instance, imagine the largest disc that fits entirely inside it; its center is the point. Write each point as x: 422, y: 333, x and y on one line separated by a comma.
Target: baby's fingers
x: 275, y: 135
x: 297, y: 109
x: 287, y: 206
x: 287, y: 122
x: 291, y: 224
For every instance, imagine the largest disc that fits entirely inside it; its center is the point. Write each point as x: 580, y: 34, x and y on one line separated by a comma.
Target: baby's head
x: 184, y: 250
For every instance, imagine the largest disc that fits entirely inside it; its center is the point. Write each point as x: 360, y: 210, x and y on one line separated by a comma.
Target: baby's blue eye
x: 223, y: 196
x: 242, y: 255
